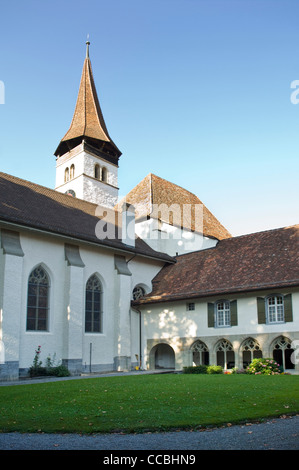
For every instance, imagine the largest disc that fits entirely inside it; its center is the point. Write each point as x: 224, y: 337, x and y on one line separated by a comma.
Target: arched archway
x: 200, y: 353
x: 250, y: 349
x: 282, y: 352
x: 162, y: 356
x: 225, y: 354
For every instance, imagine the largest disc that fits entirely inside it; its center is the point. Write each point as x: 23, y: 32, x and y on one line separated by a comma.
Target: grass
x: 146, y: 403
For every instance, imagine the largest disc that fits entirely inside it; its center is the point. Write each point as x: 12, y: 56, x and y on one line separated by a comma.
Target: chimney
x: 128, y: 224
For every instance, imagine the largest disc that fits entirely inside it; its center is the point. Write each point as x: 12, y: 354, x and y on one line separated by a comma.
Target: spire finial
x: 87, y: 47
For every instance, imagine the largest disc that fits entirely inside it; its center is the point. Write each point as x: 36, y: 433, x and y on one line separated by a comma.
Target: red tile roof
x: 264, y: 260
x: 154, y: 191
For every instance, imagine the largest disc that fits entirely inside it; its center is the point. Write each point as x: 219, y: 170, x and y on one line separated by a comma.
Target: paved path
x: 275, y: 434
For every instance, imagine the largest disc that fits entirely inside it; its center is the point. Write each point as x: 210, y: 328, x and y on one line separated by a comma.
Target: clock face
x: 70, y: 192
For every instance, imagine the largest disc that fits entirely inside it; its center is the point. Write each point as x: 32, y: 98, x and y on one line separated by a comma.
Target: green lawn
x: 146, y: 402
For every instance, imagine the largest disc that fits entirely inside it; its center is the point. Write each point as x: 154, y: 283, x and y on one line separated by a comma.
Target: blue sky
x: 196, y: 92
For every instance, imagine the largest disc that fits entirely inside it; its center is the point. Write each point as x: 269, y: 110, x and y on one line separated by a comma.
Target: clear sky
x: 195, y: 91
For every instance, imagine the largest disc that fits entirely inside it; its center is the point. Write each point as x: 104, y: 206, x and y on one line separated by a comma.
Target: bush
x: 214, y: 370
x: 264, y: 366
x: 235, y: 370
x: 50, y: 369
x: 195, y: 370
x: 59, y: 371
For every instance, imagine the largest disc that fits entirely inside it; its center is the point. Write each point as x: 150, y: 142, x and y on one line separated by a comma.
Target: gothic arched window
x: 250, y: 350
x: 97, y: 171
x: 66, y: 175
x: 225, y: 354
x: 104, y: 174
x: 200, y: 353
x: 282, y: 352
x: 38, y: 300
x: 93, y: 305
x: 72, y: 172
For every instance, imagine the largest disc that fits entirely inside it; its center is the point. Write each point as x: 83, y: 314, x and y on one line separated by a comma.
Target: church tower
x: 86, y: 157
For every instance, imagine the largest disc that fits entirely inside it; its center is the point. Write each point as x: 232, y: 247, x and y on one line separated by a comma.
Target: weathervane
x: 87, y: 46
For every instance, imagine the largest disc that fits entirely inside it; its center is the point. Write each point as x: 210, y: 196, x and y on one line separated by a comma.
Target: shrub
x: 264, y: 366
x: 195, y: 369
x: 214, y: 370
x: 235, y: 370
x: 50, y: 369
x: 59, y: 371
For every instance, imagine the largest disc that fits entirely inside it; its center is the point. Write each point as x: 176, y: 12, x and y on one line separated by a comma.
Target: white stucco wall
x: 66, y: 337
x: 84, y: 184
x: 173, y: 324
x: 172, y: 240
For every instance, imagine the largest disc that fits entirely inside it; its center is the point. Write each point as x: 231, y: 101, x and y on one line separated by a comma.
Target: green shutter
x: 288, y: 310
x: 233, y: 313
x: 211, y: 319
x: 261, y: 311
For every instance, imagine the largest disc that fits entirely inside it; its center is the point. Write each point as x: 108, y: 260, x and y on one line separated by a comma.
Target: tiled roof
x: 264, y: 260
x: 154, y: 191
x: 31, y: 205
x: 88, y: 121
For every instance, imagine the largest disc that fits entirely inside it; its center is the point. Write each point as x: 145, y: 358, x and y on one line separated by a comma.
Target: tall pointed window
x: 72, y: 172
x: 38, y: 300
x: 97, y: 171
x: 250, y: 350
x: 200, y: 353
x: 225, y: 354
x: 104, y: 174
x: 93, y: 305
x: 66, y: 175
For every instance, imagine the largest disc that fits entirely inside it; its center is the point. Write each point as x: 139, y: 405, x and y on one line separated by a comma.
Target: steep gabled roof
x: 88, y: 121
x: 154, y: 191
x: 264, y: 260
x: 37, y: 207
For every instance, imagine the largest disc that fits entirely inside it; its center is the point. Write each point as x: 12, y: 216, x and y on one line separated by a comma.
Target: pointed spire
x: 88, y: 122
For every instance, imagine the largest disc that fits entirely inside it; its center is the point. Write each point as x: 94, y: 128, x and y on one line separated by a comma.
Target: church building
x: 151, y: 281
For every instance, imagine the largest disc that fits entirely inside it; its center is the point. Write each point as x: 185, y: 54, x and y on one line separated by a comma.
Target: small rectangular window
x: 190, y: 306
